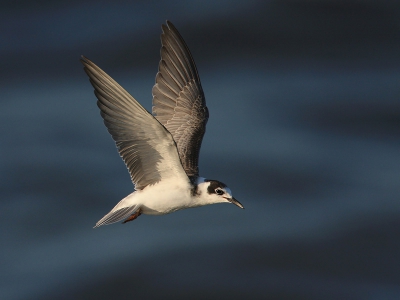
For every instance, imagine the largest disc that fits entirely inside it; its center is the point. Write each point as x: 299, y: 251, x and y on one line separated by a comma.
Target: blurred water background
x: 304, y: 127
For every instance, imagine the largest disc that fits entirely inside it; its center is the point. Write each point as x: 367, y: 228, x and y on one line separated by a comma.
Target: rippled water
x: 308, y: 143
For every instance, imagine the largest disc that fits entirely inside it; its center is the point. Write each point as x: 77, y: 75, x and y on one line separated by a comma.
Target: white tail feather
x: 116, y: 215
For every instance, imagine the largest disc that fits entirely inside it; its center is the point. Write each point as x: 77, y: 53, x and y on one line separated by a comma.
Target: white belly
x: 164, y: 197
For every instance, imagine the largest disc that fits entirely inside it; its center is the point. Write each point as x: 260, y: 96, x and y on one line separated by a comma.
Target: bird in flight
x: 160, y: 150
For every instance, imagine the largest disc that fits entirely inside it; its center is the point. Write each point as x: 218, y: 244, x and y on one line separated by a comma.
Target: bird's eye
x: 219, y: 191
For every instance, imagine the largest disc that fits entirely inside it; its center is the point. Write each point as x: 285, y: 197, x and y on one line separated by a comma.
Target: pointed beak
x: 234, y: 201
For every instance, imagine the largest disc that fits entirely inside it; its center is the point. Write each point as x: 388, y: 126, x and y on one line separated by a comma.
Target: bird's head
x: 217, y: 192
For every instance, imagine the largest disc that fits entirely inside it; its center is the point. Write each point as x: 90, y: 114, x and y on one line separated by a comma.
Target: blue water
x: 307, y: 141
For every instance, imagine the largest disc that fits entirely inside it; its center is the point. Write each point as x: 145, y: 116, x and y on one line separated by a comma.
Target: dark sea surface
x: 304, y: 100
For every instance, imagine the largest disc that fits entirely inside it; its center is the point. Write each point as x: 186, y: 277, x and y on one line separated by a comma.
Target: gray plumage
x: 161, y: 152
x: 178, y: 99
x: 115, y: 216
x: 146, y: 147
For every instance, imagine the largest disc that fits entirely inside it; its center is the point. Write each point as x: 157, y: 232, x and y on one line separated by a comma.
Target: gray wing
x: 146, y: 147
x: 178, y: 98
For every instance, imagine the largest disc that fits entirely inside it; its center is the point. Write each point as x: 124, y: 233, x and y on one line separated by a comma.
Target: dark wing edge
x: 178, y: 99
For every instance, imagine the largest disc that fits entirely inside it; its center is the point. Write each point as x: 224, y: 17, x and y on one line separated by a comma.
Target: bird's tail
x: 116, y: 215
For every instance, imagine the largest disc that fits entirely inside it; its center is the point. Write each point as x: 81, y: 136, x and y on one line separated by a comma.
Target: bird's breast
x: 165, y: 197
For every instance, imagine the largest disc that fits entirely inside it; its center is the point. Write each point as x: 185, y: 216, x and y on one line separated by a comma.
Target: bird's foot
x: 133, y: 216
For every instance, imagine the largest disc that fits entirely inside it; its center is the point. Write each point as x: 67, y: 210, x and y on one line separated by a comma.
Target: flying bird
x: 160, y: 150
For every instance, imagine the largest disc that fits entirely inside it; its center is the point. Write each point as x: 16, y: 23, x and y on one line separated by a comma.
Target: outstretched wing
x: 178, y: 98
x: 146, y: 147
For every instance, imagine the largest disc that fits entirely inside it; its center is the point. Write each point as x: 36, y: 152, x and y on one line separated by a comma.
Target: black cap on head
x: 213, y: 185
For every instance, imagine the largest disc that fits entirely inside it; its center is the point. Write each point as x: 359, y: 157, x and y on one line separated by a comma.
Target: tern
x: 161, y: 150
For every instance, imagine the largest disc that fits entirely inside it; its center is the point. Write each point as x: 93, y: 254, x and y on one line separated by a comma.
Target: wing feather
x: 178, y: 99
x: 147, y: 148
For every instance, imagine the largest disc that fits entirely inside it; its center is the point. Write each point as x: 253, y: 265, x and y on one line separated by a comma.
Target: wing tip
x: 168, y: 26
x: 84, y: 60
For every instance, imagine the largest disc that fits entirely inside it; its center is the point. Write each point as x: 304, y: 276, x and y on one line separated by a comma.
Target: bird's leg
x: 133, y: 216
